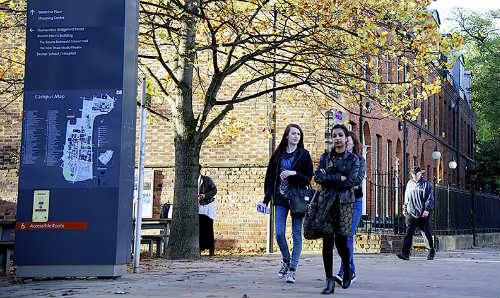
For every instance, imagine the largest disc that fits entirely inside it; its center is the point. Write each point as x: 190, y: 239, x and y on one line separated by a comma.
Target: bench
x: 6, y: 250
x: 150, y: 240
x: 161, y: 240
x: 7, y: 228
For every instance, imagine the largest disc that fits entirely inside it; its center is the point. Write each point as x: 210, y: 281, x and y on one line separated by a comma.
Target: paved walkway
x: 464, y: 273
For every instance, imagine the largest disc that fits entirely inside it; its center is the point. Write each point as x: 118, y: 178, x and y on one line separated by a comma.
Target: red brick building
x: 238, y: 165
x: 446, y: 123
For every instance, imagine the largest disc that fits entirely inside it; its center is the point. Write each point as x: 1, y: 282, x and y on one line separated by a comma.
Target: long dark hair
x: 341, y: 126
x: 284, y: 142
x: 357, y: 146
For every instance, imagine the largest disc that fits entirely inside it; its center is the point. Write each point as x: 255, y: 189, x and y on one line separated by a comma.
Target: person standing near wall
x: 290, y: 166
x: 354, y: 146
x: 419, y: 202
x: 337, y: 173
x: 206, y: 212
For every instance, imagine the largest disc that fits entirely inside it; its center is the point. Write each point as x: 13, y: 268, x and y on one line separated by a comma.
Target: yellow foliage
x: 12, y: 20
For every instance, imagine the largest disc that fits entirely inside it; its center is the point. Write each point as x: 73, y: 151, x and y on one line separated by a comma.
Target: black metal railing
x: 486, y: 212
x: 384, y: 206
x: 455, y: 211
x: 452, y: 211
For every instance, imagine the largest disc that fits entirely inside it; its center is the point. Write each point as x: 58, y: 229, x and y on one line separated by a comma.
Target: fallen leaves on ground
x: 235, y: 251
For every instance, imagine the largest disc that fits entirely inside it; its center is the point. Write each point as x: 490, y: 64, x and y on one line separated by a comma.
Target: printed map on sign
x: 77, y: 153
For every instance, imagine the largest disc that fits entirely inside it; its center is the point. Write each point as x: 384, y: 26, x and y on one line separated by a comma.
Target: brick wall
x: 8, y: 193
x: 10, y: 115
x: 237, y: 162
x: 239, y: 225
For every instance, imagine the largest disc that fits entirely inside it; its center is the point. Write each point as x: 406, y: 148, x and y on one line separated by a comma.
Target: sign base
x: 39, y: 271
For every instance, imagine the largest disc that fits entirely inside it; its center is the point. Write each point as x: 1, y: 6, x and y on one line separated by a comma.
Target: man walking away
x: 419, y: 202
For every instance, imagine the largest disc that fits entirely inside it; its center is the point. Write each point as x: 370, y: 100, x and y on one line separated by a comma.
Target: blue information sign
x: 78, y: 138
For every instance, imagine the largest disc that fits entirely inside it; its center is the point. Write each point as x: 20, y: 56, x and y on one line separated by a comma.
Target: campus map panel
x: 67, y: 139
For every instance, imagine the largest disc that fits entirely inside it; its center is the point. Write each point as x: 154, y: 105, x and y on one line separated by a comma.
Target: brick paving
x: 461, y: 273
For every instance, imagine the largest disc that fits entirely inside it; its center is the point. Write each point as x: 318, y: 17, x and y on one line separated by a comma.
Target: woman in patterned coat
x: 337, y: 173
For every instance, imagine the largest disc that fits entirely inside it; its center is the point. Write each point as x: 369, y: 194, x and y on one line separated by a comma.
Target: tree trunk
x: 183, y: 242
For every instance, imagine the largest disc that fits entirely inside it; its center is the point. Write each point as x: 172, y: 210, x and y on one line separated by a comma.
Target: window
x: 434, y: 115
x: 428, y: 113
x: 397, y: 70
x: 388, y: 176
x: 414, y: 98
x: 422, y: 113
x: 388, y: 72
x: 407, y: 162
x: 471, y: 135
x: 328, y: 127
x: 352, y: 126
x: 453, y: 133
x: 378, y: 160
x: 378, y: 71
x: 365, y: 73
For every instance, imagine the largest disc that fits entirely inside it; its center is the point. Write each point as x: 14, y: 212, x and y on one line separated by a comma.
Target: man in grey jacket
x: 419, y: 202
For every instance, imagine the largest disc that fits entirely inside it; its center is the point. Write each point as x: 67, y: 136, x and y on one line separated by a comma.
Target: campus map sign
x: 78, y: 138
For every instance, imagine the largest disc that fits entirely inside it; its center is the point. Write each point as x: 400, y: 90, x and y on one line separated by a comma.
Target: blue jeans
x: 281, y: 213
x: 358, y: 209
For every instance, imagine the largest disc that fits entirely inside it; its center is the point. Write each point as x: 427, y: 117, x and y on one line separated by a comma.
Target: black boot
x: 330, y: 286
x: 346, y: 278
x: 404, y: 256
x: 431, y: 255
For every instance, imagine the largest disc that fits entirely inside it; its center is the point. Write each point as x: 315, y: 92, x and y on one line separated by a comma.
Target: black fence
x: 486, y: 216
x: 455, y: 211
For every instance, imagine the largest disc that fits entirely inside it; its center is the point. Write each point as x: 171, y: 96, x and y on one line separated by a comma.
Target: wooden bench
x: 150, y: 240
x: 7, y: 228
x: 161, y: 240
x: 6, y: 250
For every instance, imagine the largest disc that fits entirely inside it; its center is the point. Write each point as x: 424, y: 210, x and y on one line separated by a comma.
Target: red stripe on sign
x: 70, y: 225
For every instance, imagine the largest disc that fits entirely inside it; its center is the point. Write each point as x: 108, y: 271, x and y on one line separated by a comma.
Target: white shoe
x: 283, y: 270
x: 353, y: 278
x: 338, y: 279
x: 290, y: 277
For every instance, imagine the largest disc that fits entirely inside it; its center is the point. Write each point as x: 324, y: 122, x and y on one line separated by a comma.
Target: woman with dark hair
x: 353, y: 146
x: 289, y: 166
x: 337, y: 173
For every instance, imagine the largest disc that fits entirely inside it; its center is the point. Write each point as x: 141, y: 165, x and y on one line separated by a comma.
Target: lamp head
x: 453, y: 164
x: 436, y: 155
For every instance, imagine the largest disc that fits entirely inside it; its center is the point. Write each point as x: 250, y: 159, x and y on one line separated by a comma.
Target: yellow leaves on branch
x: 345, y: 34
x: 12, y: 19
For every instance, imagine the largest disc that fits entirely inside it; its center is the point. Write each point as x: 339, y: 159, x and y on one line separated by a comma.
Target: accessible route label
x: 72, y: 225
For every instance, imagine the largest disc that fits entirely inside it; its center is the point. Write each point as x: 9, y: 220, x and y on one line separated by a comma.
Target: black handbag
x: 310, y: 226
x: 299, y: 200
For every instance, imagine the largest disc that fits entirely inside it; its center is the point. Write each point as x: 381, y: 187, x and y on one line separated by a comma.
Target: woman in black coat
x: 337, y: 173
x: 289, y: 166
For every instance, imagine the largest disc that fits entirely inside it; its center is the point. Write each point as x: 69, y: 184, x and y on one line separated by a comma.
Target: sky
x: 445, y: 7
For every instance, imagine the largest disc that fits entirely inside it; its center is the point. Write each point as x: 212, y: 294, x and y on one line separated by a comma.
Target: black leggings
x: 341, y: 244
x: 206, y: 233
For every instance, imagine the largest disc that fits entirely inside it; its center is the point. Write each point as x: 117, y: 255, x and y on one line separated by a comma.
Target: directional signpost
x: 76, y: 173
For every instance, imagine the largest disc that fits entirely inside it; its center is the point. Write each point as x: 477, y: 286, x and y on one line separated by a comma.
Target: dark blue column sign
x: 74, y: 212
